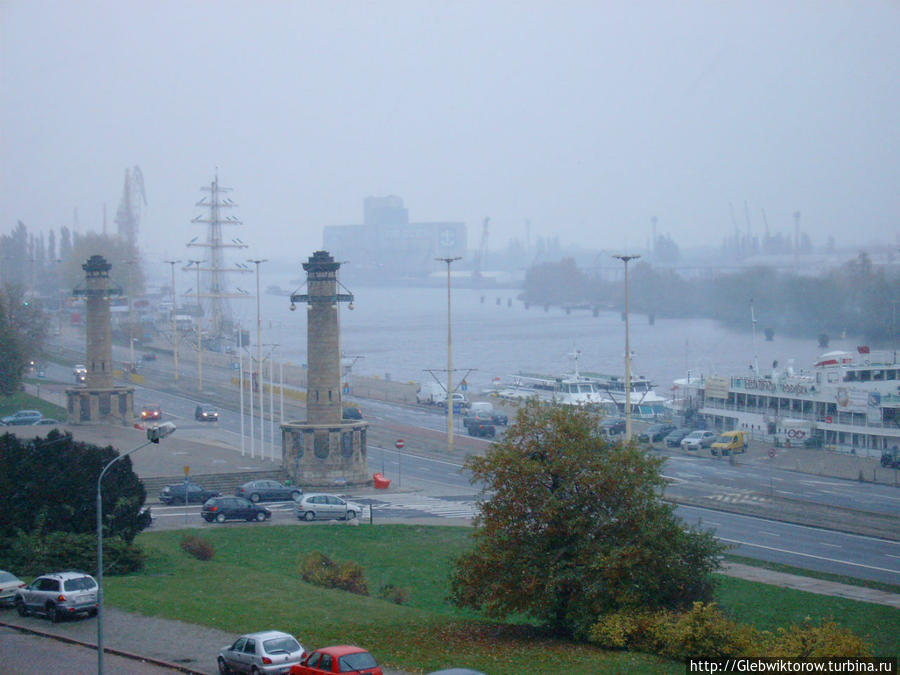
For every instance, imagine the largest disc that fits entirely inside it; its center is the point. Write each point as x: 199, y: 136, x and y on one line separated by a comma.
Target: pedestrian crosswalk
x: 417, y: 504
x: 739, y: 497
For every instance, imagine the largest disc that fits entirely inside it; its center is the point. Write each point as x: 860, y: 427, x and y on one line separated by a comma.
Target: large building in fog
x: 387, y: 246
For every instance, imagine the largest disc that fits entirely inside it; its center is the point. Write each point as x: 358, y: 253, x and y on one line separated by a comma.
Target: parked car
x: 151, y: 413
x: 730, y: 442
x: 326, y: 507
x: 45, y: 421
x: 612, y: 426
x: 59, y: 595
x: 268, y: 490
x: 174, y: 494
x: 268, y: 651
x: 702, y: 438
x: 22, y: 417
x: 204, y: 413
x: 673, y: 438
x: 352, y: 412
x: 149, y: 356
x: 656, y: 432
x: 480, y: 424
x: 460, y: 402
x: 220, y: 509
x: 9, y: 584
x: 340, y: 659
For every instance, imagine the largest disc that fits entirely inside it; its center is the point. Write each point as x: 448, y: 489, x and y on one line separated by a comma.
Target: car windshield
x: 79, y: 584
x: 285, y: 644
x: 358, y: 661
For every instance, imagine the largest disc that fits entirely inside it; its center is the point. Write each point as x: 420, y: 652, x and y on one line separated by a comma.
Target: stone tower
x: 325, y: 449
x: 99, y: 400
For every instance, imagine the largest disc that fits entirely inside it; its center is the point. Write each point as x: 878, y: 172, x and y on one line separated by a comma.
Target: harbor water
x: 401, y: 334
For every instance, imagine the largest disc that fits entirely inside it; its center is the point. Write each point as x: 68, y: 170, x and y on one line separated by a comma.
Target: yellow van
x: 731, y: 442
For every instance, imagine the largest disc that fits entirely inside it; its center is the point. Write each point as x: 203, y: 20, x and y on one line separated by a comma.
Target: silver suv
x: 59, y: 595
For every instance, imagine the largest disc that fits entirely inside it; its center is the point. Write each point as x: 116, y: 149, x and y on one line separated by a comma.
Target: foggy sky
x: 586, y: 118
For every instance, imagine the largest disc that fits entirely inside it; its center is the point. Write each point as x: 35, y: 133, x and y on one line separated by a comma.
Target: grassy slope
x: 23, y: 401
x: 252, y: 584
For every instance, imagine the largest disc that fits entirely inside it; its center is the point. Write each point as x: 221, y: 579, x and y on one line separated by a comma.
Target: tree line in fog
x: 857, y: 298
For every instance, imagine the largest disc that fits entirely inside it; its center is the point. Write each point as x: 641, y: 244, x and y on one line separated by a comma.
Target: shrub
x: 703, y: 631
x: 197, y: 546
x: 317, y: 568
x: 38, y: 553
x: 827, y: 640
x: 394, y: 594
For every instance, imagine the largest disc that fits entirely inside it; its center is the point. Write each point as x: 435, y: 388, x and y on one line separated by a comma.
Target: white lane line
x: 810, y: 555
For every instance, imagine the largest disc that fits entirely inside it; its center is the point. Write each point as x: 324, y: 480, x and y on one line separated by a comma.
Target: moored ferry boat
x: 603, y: 392
x: 847, y: 402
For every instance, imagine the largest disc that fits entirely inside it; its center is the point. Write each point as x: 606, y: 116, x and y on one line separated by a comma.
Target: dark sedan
x: 174, y: 494
x: 673, y: 438
x: 220, y: 509
x: 268, y: 490
x: 657, y: 432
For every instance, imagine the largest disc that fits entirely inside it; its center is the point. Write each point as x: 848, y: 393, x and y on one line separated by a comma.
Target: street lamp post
x: 259, y: 362
x: 174, y: 318
x: 154, y: 434
x: 625, y: 259
x: 199, y: 332
x: 449, y: 360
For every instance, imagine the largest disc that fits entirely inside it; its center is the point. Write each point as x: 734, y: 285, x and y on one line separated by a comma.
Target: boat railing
x: 841, y: 419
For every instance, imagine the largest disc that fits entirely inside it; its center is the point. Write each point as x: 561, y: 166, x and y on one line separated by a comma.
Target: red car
x: 151, y: 413
x: 341, y: 659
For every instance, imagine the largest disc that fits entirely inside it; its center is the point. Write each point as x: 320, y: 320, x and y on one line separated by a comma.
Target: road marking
x: 771, y: 534
x: 810, y: 555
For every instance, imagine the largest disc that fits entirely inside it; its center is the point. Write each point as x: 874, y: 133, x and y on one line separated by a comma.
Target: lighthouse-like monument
x: 99, y: 400
x: 325, y: 449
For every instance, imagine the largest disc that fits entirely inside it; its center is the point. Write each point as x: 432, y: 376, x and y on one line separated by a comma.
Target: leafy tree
x: 12, y: 354
x: 27, y: 319
x: 51, y: 484
x: 572, y: 527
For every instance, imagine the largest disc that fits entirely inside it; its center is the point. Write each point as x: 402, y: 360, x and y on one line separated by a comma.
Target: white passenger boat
x: 848, y: 402
x: 595, y: 390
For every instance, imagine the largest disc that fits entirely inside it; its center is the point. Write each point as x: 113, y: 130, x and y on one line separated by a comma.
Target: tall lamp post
x: 154, y: 434
x: 449, y: 360
x: 625, y: 259
x: 259, y: 363
x: 199, y: 332
x: 130, y: 264
x: 174, y: 318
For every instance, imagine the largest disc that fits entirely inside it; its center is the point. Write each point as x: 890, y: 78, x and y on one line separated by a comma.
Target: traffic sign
x: 399, y: 444
x: 828, y: 419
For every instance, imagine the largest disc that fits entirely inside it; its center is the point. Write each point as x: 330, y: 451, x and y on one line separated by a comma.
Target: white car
x: 323, y: 506
x: 9, y: 584
x: 268, y: 651
x: 695, y: 440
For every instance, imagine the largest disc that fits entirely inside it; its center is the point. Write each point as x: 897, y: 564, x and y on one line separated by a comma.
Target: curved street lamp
x: 154, y: 434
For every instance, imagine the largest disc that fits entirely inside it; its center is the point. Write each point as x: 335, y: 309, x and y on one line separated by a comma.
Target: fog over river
x: 402, y: 332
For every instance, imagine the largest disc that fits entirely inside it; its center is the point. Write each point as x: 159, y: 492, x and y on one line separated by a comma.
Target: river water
x: 401, y: 333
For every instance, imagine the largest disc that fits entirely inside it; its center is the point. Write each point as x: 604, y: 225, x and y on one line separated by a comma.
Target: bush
x: 395, y: 594
x: 198, y: 547
x: 827, y: 640
x: 703, y: 631
x: 317, y: 568
x: 33, y: 554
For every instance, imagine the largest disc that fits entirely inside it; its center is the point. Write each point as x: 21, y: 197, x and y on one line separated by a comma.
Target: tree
x: 12, y: 354
x: 572, y: 527
x: 51, y: 483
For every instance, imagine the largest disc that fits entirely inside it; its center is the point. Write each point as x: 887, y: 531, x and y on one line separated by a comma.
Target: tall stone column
x: 99, y: 335
x: 323, y: 393
x: 324, y: 450
x: 100, y: 400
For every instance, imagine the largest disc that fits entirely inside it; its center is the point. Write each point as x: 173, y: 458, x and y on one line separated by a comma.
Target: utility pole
x: 174, y: 318
x: 259, y: 362
x: 199, y: 332
x: 625, y: 259
x: 449, y: 360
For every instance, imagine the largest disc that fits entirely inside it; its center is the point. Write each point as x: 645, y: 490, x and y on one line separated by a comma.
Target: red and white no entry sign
x: 399, y: 443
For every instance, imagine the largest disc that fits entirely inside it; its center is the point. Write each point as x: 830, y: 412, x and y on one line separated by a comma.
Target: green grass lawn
x: 252, y: 584
x: 23, y: 401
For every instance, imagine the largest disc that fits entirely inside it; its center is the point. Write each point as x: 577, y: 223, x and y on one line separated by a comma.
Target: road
x: 437, y: 487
